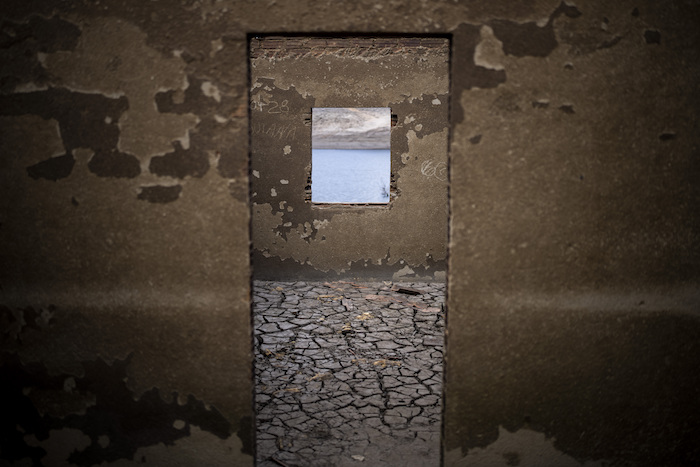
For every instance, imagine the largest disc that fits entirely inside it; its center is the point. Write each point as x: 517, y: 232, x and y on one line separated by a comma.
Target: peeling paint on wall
x: 100, y: 181
x: 133, y: 70
x: 106, y: 429
x: 525, y: 448
x: 408, y: 235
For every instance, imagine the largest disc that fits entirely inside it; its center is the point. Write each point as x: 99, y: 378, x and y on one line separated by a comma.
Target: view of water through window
x: 351, y: 156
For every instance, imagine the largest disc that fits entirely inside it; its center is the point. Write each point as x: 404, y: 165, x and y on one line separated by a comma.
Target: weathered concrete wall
x: 574, y: 296
x: 574, y: 262
x: 406, y: 239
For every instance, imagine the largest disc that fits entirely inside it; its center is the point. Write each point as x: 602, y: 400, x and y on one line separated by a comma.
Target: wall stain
x: 507, y: 102
x: 466, y: 74
x: 53, y: 169
x: 181, y: 162
x: 610, y: 43
x: 363, y: 269
x: 431, y: 121
x: 238, y: 190
x: 114, y: 164
x: 584, y: 40
x: 528, y: 39
x: 273, y: 267
x: 15, y: 323
x: 85, y: 121
x: 652, y: 37
x: 160, y: 194
x: 567, y: 109
x: 636, y: 390
x: 511, y: 458
x: 23, y: 41
x: 279, y: 166
x: 7, y: 322
x: 245, y: 433
x: 191, y: 100
x: 228, y: 143
x: 230, y: 165
x: 127, y: 422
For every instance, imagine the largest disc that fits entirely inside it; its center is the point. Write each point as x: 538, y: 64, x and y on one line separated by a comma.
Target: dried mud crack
x: 348, y: 373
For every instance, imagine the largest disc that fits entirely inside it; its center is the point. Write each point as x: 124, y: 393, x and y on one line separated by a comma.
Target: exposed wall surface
x: 574, y: 252
x: 574, y: 297
x: 124, y: 242
x: 406, y: 239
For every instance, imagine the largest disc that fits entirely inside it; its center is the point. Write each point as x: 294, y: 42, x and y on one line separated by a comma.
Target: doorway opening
x: 348, y: 296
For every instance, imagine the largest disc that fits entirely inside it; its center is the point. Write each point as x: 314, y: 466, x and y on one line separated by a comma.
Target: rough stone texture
x: 574, y: 252
x: 348, y: 369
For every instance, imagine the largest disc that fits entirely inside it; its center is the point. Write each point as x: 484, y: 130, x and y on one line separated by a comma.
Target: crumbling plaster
x: 398, y: 239
x: 134, y: 70
x: 574, y: 230
x: 333, y: 81
x: 537, y: 122
x: 104, y: 312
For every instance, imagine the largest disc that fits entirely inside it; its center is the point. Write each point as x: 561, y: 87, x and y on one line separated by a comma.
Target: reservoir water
x: 350, y: 175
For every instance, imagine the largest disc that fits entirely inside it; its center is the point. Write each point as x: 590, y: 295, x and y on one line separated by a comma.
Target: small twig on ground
x: 415, y: 305
x: 405, y: 290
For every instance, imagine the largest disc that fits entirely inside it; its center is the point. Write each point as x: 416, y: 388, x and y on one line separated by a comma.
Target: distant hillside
x: 351, y: 128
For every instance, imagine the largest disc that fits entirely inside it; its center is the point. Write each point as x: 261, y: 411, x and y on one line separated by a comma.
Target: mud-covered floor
x: 348, y: 374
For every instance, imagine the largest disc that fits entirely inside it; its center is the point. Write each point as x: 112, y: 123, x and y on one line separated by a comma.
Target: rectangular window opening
x: 351, y: 156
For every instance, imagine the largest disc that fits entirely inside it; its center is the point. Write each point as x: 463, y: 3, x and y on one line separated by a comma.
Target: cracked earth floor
x: 348, y: 374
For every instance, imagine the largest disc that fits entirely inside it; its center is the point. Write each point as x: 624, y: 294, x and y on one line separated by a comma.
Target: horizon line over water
x: 350, y: 175
x: 351, y: 128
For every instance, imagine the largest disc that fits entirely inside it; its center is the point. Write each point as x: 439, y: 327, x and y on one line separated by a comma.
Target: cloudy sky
x: 351, y: 128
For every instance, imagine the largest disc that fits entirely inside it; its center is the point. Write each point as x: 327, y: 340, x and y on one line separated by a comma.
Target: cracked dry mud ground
x: 348, y: 374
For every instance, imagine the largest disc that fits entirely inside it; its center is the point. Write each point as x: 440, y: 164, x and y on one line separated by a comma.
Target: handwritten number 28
x: 276, y: 108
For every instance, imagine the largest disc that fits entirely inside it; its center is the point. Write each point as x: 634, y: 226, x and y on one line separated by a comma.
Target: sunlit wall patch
x: 351, y: 155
